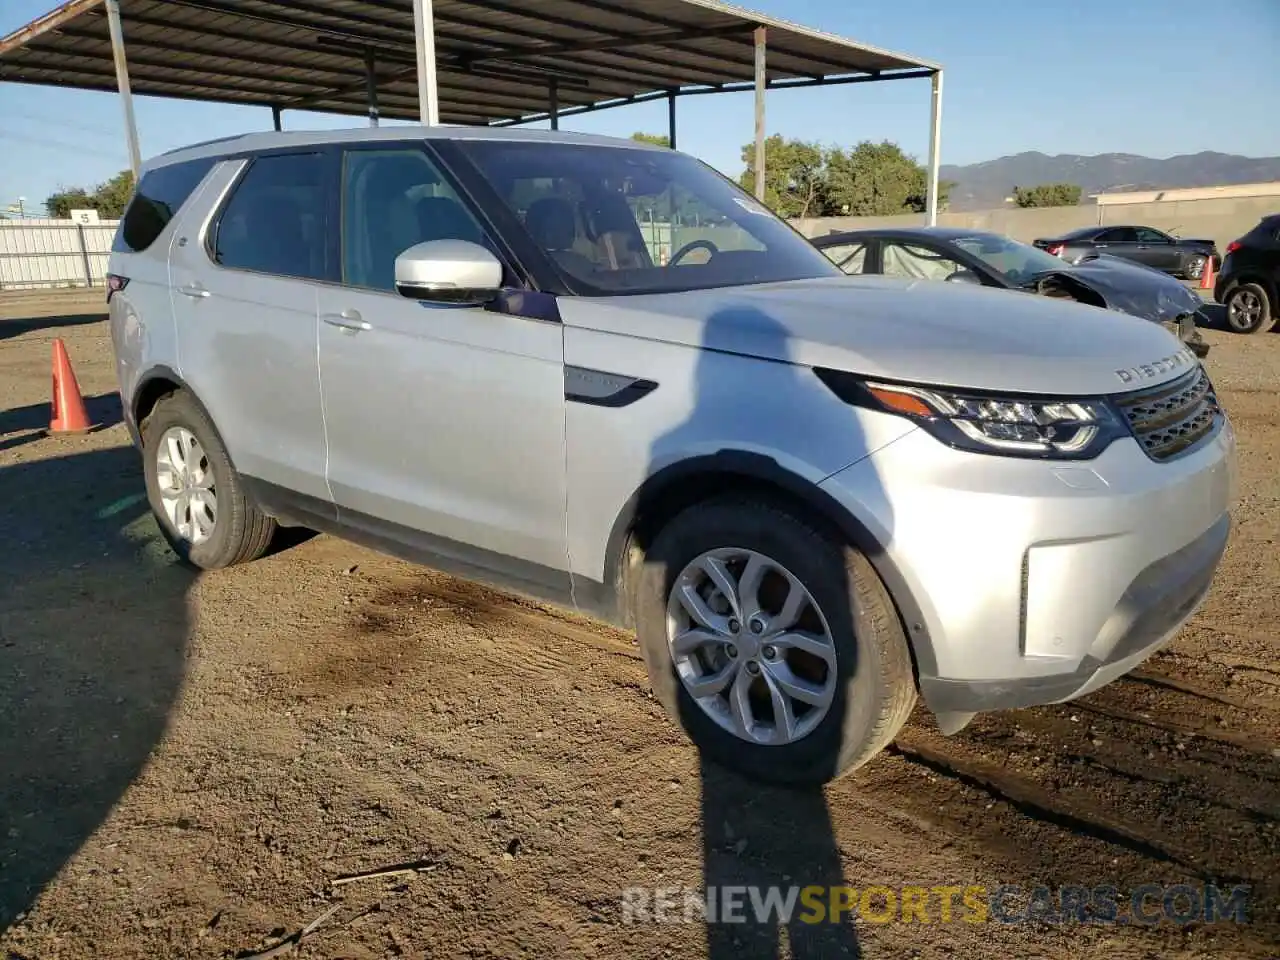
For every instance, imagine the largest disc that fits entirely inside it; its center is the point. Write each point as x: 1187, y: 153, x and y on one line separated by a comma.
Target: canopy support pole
x: 275, y: 117
x: 371, y: 85
x: 424, y: 32
x: 671, y: 120
x: 122, y: 84
x: 760, y: 91
x: 554, y: 112
x: 935, y: 150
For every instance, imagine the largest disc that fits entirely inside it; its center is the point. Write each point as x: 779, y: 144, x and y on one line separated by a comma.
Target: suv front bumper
x: 1025, y: 582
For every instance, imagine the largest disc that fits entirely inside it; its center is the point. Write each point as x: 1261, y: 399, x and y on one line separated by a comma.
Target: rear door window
x: 1118, y: 235
x: 275, y: 221
x: 157, y: 200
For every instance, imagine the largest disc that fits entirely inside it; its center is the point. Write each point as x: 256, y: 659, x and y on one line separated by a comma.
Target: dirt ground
x: 190, y: 762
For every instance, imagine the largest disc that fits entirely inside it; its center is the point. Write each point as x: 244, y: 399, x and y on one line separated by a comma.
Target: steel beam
x: 424, y: 35
x: 122, y: 86
x: 935, y: 150
x: 762, y: 80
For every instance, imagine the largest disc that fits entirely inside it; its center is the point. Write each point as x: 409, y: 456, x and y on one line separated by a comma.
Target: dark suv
x: 1249, y: 284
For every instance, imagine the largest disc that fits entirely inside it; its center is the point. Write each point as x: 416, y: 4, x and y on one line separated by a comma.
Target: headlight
x: 1021, y: 426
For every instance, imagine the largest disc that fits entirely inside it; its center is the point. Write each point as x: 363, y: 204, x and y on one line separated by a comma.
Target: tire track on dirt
x: 1032, y: 801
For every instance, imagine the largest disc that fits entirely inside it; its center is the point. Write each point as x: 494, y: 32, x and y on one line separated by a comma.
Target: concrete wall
x: 1221, y: 219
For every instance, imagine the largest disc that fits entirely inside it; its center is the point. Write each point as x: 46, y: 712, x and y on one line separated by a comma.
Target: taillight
x: 115, y: 283
x: 1056, y: 249
x: 1233, y: 246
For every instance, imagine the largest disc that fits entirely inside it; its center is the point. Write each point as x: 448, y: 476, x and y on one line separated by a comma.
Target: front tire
x: 776, y: 647
x: 195, y: 493
x: 1249, y: 309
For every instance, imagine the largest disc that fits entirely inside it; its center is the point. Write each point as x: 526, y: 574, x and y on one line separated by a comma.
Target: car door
x: 245, y: 283
x: 1118, y: 242
x: 1157, y: 249
x: 446, y: 424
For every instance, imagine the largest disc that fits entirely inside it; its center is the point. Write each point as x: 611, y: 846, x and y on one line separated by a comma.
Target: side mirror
x: 448, y: 271
x: 964, y: 276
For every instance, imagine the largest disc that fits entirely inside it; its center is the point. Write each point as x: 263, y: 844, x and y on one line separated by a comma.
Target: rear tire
x: 872, y: 687
x: 1249, y: 309
x: 197, y: 498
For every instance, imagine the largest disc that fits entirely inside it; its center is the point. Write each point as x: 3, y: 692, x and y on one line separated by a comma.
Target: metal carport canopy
x: 482, y: 61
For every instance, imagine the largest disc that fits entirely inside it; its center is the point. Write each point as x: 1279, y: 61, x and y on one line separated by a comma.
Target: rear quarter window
x: 156, y: 201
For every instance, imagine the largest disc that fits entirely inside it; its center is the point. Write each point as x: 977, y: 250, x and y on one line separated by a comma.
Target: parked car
x: 992, y: 260
x: 1177, y: 256
x: 1249, y: 284
x: 811, y: 495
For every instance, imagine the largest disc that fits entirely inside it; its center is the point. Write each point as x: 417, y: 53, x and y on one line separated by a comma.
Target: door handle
x: 349, y: 321
x: 193, y: 290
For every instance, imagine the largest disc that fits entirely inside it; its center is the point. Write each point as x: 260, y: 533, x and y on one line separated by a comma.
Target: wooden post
x: 760, y: 88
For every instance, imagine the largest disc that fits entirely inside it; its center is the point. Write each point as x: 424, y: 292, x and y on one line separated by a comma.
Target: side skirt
x: 532, y: 580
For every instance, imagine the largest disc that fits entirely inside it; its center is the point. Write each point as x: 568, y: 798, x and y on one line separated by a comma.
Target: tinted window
x: 622, y: 220
x: 849, y: 257
x: 1118, y: 235
x: 275, y: 219
x: 1147, y: 235
x: 157, y: 200
x: 391, y: 200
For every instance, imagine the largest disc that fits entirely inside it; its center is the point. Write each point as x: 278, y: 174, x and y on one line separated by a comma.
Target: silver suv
x: 599, y: 373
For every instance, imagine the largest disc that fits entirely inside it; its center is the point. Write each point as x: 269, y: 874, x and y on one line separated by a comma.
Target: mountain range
x: 985, y: 185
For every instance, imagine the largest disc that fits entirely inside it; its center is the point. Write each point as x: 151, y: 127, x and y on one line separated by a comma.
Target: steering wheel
x: 690, y: 247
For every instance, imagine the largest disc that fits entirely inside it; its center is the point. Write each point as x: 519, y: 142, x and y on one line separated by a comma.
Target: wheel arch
x: 159, y: 382
x: 682, y: 484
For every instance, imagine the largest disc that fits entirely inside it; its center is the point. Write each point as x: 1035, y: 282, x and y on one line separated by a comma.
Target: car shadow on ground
x: 14, y: 328
x: 22, y: 425
x: 93, y: 634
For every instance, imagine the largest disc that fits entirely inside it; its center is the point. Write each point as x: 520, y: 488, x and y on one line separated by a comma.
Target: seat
x: 553, y: 227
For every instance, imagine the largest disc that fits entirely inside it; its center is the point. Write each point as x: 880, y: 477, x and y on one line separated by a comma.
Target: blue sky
x: 1153, y: 77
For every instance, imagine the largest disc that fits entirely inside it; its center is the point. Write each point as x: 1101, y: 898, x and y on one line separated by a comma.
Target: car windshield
x: 621, y: 220
x: 1019, y: 262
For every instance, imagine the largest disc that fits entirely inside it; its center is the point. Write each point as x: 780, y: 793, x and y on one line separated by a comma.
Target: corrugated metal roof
x: 496, y: 59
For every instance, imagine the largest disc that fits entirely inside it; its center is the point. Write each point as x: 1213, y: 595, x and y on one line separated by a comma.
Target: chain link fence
x: 38, y: 254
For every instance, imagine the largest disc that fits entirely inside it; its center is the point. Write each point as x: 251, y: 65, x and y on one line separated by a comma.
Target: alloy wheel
x: 185, y: 481
x: 751, y: 646
x: 1244, y: 312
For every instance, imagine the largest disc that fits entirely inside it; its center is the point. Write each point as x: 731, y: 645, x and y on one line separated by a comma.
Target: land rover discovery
x: 599, y: 373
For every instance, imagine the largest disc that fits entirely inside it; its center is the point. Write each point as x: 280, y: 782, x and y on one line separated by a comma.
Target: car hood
x: 1136, y: 289
x: 919, y: 331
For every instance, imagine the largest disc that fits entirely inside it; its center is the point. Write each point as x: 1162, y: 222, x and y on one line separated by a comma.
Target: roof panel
x: 496, y: 59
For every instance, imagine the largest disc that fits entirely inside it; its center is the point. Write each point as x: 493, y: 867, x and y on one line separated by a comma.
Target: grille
x: 1172, y: 417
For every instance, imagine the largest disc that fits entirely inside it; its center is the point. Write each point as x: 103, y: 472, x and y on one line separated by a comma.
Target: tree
x: 794, y: 178
x: 1047, y: 195
x: 877, y: 179
x: 109, y: 198
x: 657, y: 139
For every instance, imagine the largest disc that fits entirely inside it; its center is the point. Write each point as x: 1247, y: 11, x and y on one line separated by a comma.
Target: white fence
x: 54, y: 253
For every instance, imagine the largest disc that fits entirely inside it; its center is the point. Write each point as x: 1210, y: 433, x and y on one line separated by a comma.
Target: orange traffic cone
x: 68, y: 414
x: 1206, y: 275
